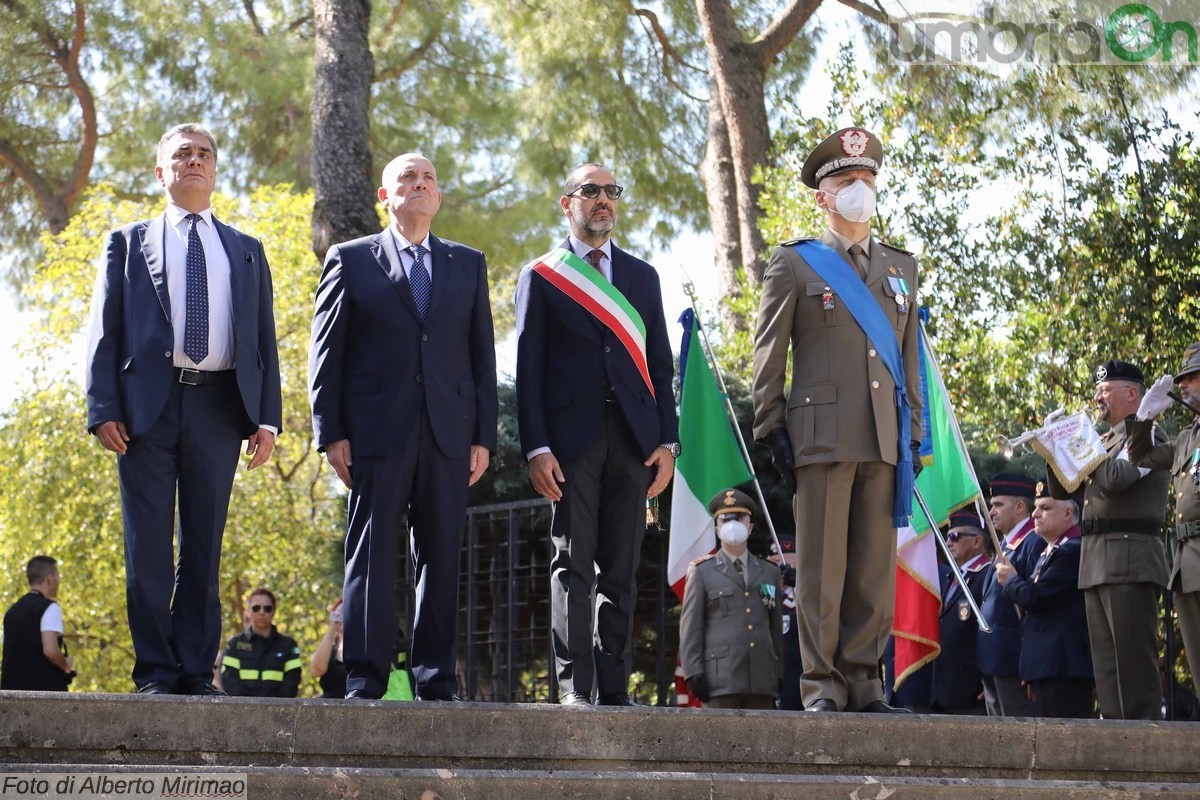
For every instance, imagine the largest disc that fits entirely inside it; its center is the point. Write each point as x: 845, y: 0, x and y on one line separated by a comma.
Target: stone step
x: 293, y: 783
x: 491, y: 750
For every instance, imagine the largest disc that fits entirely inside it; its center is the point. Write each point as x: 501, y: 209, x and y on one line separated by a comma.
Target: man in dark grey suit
x: 182, y: 366
x: 403, y: 391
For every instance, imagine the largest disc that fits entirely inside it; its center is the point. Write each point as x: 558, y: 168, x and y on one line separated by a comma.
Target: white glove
x: 1156, y: 400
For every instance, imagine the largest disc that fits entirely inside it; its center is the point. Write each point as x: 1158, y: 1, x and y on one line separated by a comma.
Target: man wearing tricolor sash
x: 845, y: 434
x: 596, y: 410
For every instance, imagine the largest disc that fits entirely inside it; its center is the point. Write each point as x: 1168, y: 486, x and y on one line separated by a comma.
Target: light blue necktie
x: 418, y: 280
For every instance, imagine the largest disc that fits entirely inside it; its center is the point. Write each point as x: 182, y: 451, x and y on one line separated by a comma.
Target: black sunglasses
x: 954, y: 536
x: 267, y: 609
x: 592, y: 190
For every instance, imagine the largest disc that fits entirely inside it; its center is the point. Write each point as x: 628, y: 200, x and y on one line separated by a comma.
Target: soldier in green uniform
x: 731, y: 625
x: 843, y: 435
x: 1183, y: 460
x: 1122, y: 562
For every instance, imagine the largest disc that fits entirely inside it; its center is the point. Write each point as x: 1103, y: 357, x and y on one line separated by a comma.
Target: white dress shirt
x: 398, y: 247
x: 221, y: 354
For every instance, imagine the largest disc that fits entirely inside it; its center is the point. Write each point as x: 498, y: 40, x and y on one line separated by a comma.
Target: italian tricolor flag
x: 711, y: 460
x: 947, y: 484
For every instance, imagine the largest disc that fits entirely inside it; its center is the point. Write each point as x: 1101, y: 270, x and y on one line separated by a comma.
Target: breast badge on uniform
x: 767, y: 590
x: 900, y: 288
x: 964, y: 611
x: 827, y: 299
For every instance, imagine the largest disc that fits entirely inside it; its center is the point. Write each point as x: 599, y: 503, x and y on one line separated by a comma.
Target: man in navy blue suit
x: 402, y: 375
x: 999, y: 652
x: 182, y: 366
x: 596, y: 410
x: 1056, y: 661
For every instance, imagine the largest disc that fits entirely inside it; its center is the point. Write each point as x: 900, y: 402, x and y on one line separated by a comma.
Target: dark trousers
x: 428, y: 489
x: 1006, y: 697
x: 597, y: 535
x: 1069, y: 698
x: 1123, y: 631
x: 191, y: 450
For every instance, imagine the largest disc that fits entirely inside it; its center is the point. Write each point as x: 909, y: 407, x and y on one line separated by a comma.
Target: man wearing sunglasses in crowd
x: 596, y: 409
x: 261, y: 661
x: 957, y: 686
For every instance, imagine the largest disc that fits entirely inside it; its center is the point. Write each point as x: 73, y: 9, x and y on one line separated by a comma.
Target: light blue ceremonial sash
x: 861, y: 304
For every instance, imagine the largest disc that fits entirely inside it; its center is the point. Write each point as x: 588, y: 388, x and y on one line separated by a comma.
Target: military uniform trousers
x: 846, y: 578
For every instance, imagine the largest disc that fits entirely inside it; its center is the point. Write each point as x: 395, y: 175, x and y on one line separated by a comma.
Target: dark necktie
x: 860, y: 259
x: 741, y: 573
x: 195, y: 328
x: 418, y: 280
x: 594, y: 258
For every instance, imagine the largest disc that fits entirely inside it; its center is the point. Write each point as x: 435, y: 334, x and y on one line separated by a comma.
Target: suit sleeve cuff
x: 273, y: 429
x: 537, y: 451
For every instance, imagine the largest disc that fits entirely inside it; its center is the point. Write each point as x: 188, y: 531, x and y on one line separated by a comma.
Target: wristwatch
x: 673, y: 448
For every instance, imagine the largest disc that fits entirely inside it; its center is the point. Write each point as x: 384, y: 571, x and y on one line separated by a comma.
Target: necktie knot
x: 594, y: 258
x: 193, y: 218
x: 859, y: 257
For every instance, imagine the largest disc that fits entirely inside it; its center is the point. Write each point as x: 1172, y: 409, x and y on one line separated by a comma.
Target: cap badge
x: 1101, y: 373
x: 1041, y: 488
x: 729, y: 501
x: 854, y: 142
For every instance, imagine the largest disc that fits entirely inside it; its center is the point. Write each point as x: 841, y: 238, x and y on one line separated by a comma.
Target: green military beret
x: 849, y: 148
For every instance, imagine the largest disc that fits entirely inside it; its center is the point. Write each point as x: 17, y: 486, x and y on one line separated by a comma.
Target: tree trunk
x: 341, y: 155
x: 738, y: 74
x: 716, y: 171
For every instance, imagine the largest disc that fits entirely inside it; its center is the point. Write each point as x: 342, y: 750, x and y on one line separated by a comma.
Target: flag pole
x: 690, y: 289
x: 958, y: 576
x: 962, y: 445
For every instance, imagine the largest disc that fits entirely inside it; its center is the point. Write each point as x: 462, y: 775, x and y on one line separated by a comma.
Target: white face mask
x: 733, y: 532
x: 855, y: 203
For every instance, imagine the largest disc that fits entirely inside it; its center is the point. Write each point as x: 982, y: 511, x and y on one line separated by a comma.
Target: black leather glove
x: 917, y: 465
x: 781, y: 456
x: 699, y: 686
x: 789, y: 574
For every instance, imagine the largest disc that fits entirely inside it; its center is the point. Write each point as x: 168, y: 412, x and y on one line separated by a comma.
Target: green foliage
x: 285, y: 519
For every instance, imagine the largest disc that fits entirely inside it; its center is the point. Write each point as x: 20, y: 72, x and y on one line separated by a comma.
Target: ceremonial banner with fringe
x: 1072, y: 448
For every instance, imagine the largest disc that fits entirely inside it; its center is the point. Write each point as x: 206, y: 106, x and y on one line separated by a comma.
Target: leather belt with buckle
x: 1147, y: 526
x: 1187, y: 530
x: 200, y: 377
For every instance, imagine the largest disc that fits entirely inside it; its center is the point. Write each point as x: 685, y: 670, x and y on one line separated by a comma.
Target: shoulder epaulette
x: 897, y: 249
x: 791, y: 242
x: 702, y: 559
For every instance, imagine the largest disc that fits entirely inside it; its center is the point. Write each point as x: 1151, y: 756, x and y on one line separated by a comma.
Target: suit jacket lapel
x: 388, y: 257
x: 880, y: 261
x: 441, y: 265
x: 153, y: 249
x: 239, y: 259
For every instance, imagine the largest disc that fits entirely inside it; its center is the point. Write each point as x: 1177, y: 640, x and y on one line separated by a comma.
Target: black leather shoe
x: 575, y: 699
x: 360, y: 694
x: 880, y: 707
x: 620, y: 699
x: 199, y: 688
x: 822, y: 705
x: 156, y: 687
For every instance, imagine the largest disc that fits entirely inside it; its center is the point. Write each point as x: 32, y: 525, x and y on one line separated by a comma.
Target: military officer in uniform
x: 731, y: 624
x: 999, y: 652
x: 1183, y: 460
x: 843, y: 436
x: 1122, y: 562
x: 957, y: 688
x: 1054, y: 642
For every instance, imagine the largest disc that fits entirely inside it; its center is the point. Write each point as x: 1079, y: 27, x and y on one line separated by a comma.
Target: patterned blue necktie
x: 195, y: 329
x: 418, y: 280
